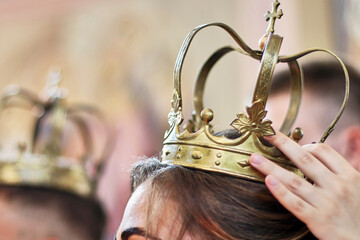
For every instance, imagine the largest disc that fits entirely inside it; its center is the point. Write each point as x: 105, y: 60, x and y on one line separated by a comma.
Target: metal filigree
x: 253, y: 123
x: 175, y: 115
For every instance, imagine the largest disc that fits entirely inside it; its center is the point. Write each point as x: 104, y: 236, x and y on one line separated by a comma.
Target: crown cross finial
x: 272, y: 16
x: 52, y: 89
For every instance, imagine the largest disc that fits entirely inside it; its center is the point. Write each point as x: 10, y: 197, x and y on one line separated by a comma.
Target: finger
x: 305, y: 161
x: 330, y: 158
x: 299, y: 186
x: 297, y: 206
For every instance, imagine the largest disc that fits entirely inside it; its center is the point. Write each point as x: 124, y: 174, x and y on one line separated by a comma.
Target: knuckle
x: 306, y: 158
x: 295, y: 183
x: 298, y: 206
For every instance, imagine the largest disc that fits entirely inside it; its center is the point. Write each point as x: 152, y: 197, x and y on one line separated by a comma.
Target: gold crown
x: 198, y: 147
x: 44, y: 166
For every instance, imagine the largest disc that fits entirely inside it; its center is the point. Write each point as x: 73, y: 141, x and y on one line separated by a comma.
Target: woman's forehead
x: 164, y: 214
x: 135, y: 211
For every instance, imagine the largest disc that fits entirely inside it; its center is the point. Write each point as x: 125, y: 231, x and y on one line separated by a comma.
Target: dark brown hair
x: 79, y: 218
x: 215, y: 206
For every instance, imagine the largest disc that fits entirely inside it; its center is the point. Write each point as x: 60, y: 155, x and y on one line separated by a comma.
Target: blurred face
x: 310, y: 117
x: 133, y: 225
x: 7, y: 222
x: 20, y: 223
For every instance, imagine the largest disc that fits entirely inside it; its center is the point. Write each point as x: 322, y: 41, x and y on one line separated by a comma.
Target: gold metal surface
x: 267, y: 66
x: 198, y: 147
x: 43, y: 164
x: 295, y: 88
x: 297, y: 134
x: 272, y: 16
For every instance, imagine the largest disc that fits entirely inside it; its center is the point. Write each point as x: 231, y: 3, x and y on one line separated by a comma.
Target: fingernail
x: 256, y: 159
x: 269, y: 137
x: 273, y: 182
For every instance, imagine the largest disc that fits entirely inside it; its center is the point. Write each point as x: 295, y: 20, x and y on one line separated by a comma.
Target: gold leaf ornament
x: 254, y: 123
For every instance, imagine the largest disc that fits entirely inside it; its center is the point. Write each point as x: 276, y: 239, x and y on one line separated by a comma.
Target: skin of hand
x: 330, y: 207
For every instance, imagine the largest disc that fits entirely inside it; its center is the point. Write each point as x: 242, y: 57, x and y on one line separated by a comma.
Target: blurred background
x: 119, y: 56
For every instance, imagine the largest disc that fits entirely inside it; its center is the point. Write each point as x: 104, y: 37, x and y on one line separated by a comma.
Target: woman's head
x: 172, y: 202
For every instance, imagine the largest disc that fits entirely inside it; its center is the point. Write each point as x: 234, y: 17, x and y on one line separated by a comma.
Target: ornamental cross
x: 52, y: 89
x: 273, y: 16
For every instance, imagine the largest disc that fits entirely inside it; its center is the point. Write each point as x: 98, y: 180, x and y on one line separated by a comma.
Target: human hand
x: 331, y: 206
